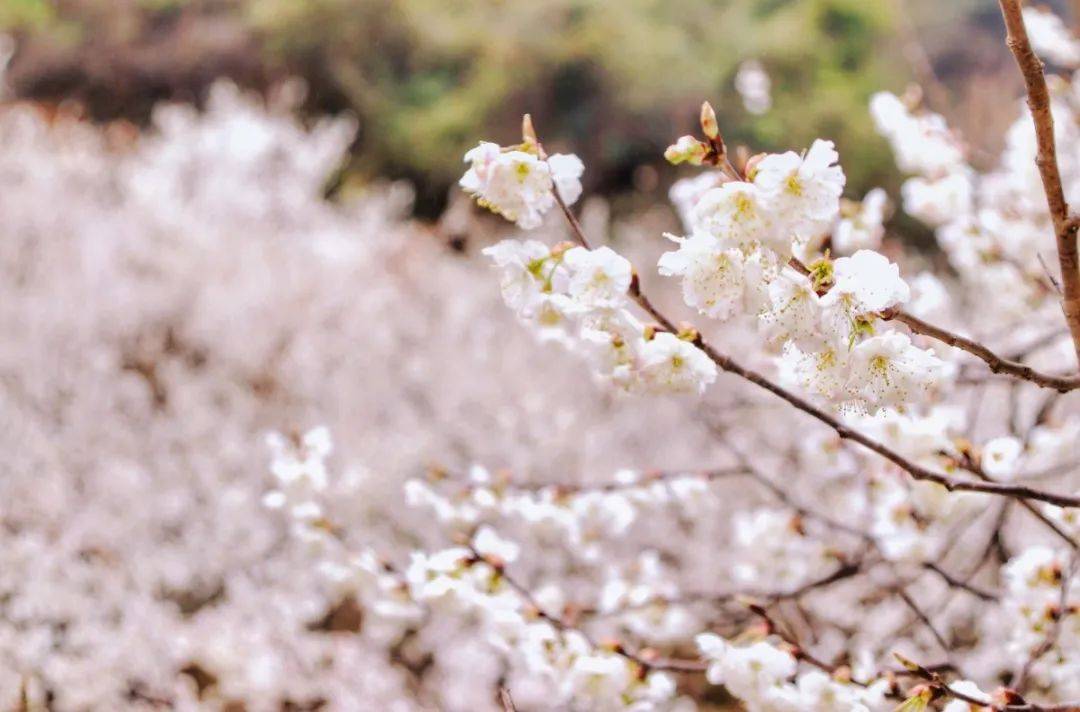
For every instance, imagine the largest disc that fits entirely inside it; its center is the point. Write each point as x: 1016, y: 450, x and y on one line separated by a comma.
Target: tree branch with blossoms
x: 854, y: 553
x: 727, y: 364
x: 741, y: 257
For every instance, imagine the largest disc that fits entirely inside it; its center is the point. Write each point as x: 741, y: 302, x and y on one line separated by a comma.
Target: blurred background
x: 615, y: 80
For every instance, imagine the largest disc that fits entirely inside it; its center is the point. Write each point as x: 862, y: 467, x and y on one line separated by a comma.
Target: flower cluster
x: 579, y: 296
x: 518, y: 184
x: 764, y: 677
x: 735, y: 262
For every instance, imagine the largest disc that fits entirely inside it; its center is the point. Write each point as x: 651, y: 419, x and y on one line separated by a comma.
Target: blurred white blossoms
x: 921, y: 142
x: 861, y: 225
x: 1050, y: 38
x: 517, y: 183
x: 765, y: 679
x: 754, y: 85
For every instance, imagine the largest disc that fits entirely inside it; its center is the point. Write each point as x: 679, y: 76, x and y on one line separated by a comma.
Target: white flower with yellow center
x: 718, y: 281
x: 598, y: 277
x: 802, y: 190
x: 865, y: 283
x: 670, y: 364
x: 736, y: 214
x: 793, y: 310
x: 518, y: 184
x: 888, y: 370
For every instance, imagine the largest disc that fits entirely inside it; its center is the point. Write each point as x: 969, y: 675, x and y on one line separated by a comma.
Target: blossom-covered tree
x: 880, y: 361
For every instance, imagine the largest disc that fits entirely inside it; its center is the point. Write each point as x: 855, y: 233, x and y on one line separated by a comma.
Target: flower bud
x: 708, y: 121
x: 686, y: 150
x: 528, y: 132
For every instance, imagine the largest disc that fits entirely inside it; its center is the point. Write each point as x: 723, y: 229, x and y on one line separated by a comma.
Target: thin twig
x: 997, y: 364
x: 647, y: 662
x: 1055, y: 629
x: 1038, y: 100
x: 923, y: 618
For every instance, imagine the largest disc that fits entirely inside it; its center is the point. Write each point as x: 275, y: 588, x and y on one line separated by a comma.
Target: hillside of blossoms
x: 271, y: 446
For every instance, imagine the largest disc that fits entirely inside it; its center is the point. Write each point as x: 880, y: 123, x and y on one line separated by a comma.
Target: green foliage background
x: 614, y: 79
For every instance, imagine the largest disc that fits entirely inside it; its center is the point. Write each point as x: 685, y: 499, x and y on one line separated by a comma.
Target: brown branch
x: 642, y: 658
x: 918, y: 59
x: 1038, y: 100
x: 506, y: 700
x: 842, y: 573
x: 923, y: 618
x: 915, y: 470
x: 997, y: 364
x: 976, y: 469
x: 1016, y: 703
x: 796, y: 648
x: 846, y: 433
x: 573, y: 488
x: 954, y: 582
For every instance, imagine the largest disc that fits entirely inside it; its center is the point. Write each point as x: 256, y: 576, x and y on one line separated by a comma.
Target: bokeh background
x: 615, y: 80
x: 187, y: 264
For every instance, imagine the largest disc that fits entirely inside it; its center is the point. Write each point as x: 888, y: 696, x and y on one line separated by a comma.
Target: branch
x: 642, y: 658
x: 923, y: 618
x: 846, y: 433
x: 1015, y: 702
x: 997, y: 364
x: 756, y: 597
x: 955, y: 582
x: 797, y: 650
x: 572, y: 488
x: 1038, y: 100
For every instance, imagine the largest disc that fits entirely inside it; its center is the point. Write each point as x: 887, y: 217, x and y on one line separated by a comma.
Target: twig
x: 918, y: 59
x: 1055, y: 630
x: 845, y: 432
x: 954, y: 582
x: 923, y: 618
x: 1038, y: 100
x: 1017, y: 703
x: 997, y: 364
x: 797, y: 650
x: 641, y: 658
x: 506, y: 700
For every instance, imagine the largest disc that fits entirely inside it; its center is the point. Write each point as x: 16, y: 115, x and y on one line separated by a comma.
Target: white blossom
x: 670, y: 363
x: 718, y: 281
x: 1050, y: 37
x: 888, y: 370
x: 804, y: 190
x: 753, y: 85
x: 518, y: 184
